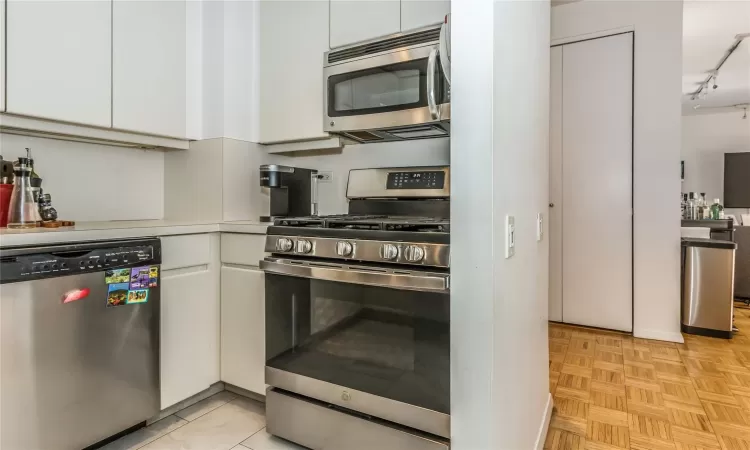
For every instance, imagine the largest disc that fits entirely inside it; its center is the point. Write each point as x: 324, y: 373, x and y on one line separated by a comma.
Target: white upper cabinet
x: 2, y: 57
x: 359, y: 20
x: 149, y: 67
x: 59, y: 60
x: 421, y: 13
x: 293, y: 38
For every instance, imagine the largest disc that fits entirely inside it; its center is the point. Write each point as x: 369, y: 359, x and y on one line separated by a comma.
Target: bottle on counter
x: 683, y: 205
x: 34, y: 178
x: 23, y: 211
x: 705, y: 212
x: 692, y: 207
x: 717, y: 210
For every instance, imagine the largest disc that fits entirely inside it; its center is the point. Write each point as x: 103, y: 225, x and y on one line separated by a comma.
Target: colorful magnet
x: 117, y: 294
x: 153, y: 277
x: 138, y: 296
x: 139, y: 278
x: 117, y: 276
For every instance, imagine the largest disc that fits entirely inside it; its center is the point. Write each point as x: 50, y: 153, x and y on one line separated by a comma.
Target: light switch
x: 510, y: 236
x: 539, y: 227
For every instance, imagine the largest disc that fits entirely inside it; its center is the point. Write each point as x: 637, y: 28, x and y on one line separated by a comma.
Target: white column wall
x: 499, y: 146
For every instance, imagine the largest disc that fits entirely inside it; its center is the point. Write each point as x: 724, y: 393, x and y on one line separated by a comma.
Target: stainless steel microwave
x: 390, y: 89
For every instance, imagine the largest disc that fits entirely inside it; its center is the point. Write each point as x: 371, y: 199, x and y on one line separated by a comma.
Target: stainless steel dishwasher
x: 79, y: 342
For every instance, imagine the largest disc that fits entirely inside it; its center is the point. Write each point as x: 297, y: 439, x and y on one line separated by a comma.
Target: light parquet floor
x: 613, y: 391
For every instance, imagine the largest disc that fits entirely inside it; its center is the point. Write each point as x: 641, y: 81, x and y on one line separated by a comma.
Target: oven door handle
x: 396, y: 279
x: 431, y: 100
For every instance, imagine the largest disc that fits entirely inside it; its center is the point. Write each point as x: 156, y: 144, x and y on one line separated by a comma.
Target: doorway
x: 591, y: 183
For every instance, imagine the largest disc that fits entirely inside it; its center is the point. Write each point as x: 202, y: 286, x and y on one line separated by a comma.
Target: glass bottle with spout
x: 23, y: 211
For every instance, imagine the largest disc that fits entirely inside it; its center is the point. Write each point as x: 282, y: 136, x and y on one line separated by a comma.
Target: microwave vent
x: 402, y: 40
x: 362, y: 136
x: 418, y: 132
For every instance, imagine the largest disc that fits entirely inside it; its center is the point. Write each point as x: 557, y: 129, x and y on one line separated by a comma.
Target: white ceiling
x: 709, y: 29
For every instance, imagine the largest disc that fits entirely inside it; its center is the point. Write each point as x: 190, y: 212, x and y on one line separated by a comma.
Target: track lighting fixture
x: 702, y: 89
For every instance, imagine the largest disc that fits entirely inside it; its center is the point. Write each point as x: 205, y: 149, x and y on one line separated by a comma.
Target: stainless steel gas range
x: 358, y: 317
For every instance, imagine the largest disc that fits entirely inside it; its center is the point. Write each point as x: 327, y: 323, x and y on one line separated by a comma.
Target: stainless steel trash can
x: 707, y: 287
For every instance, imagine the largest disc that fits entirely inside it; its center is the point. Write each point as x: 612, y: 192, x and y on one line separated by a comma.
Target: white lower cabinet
x: 243, y: 347
x: 189, y: 332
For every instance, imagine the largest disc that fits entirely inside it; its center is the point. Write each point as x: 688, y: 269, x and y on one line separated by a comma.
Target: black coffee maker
x: 293, y: 191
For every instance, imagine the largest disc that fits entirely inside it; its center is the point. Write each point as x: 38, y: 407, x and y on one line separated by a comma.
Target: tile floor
x: 224, y: 421
x: 613, y: 391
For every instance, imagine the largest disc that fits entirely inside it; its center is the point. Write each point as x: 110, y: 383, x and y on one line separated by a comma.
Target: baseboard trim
x: 245, y: 393
x: 542, y: 436
x: 212, y: 390
x: 659, y: 335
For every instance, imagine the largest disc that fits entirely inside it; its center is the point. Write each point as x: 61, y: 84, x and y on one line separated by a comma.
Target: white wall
x: 94, y: 182
x: 499, y: 150
x: 705, y: 139
x: 656, y: 153
x: 218, y: 179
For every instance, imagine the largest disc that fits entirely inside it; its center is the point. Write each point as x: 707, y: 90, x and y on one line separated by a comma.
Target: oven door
x: 400, y: 89
x: 364, y: 338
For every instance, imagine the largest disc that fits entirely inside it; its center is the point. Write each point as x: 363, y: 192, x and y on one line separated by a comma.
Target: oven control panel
x: 434, y: 179
x: 422, y: 254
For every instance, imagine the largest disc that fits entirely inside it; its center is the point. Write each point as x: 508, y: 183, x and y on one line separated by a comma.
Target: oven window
x: 388, y: 88
x: 386, y: 342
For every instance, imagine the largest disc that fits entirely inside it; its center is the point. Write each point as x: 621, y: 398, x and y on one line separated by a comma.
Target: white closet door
x: 555, y: 186
x: 597, y: 182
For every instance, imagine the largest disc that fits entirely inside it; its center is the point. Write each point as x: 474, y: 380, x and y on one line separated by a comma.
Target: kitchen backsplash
x: 332, y: 196
x: 94, y: 182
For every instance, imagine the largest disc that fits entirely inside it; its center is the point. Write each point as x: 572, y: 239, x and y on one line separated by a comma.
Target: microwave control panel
x: 416, y: 180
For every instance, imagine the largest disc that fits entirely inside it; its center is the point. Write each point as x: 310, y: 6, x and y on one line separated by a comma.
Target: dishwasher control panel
x: 74, y: 261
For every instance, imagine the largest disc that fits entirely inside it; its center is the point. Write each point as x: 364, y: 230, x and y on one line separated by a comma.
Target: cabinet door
x: 59, y: 60
x: 243, y: 328
x: 189, y: 322
x: 421, y: 13
x: 149, y: 64
x: 293, y: 36
x: 359, y: 20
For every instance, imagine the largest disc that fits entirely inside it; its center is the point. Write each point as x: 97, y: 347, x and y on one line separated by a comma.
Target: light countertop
x: 89, y: 231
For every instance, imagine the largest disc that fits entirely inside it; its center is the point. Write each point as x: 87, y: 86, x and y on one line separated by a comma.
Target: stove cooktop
x: 368, y: 222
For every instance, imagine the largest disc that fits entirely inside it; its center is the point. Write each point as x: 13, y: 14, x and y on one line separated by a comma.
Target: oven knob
x: 284, y: 244
x: 344, y: 248
x: 304, y: 246
x: 413, y: 253
x: 388, y: 252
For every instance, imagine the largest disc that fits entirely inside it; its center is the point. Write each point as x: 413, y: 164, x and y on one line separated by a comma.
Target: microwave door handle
x: 431, y: 101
